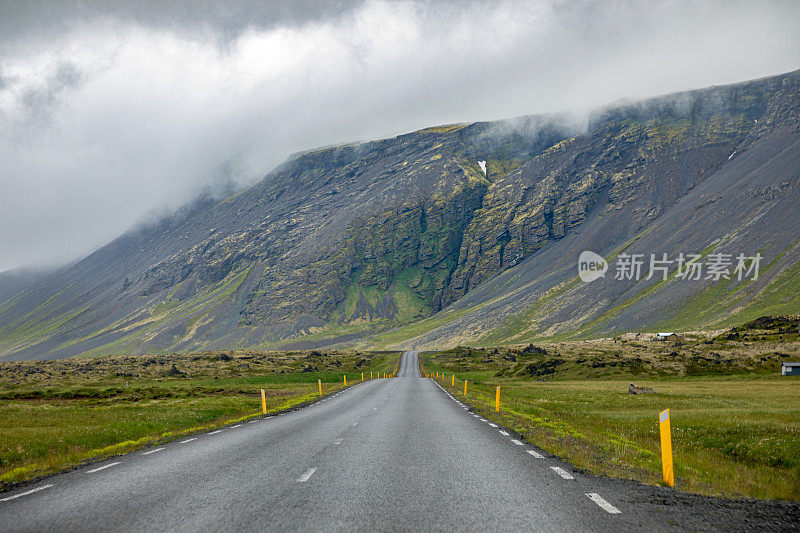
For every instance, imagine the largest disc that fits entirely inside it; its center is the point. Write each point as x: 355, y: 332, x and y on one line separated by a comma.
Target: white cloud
x: 109, y: 119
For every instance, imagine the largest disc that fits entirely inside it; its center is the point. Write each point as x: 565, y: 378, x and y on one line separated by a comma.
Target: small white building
x: 670, y: 336
x: 790, y: 369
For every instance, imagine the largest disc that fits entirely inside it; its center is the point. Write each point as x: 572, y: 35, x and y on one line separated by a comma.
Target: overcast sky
x: 114, y: 111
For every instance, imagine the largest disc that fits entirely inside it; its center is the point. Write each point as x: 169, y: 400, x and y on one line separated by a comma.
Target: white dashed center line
x: 305, y: 477
x: 515, y: 441
x: 561, y: 472
x: 148, y: 452
x: 188, y: 440
x: 536, y: 454
x: 338, y: 441
x: 99, y: 468
x: 37, y: 489
x: 607, y: 507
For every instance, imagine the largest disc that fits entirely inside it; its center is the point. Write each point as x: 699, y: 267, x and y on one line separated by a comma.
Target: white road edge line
x: 236, y: 426
x: 305, y: 477
x: 504, y: 433
x: 215, y: 432
x: 338, y: 441
x: 515, y: 441
x: 561, y: 472
x: 607, y: 507
x: 99, y: 468
x: 15, y: 496
x: 535, y: 454
x: 148, y: 452
x: 188, y: 440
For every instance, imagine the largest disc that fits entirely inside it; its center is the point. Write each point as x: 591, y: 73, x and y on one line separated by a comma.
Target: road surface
x: 385, y: 455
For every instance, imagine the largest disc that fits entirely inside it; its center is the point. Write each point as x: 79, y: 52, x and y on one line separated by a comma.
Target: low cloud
x: 108, y: 113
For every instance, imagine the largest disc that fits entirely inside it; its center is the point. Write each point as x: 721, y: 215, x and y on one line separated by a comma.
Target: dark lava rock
x: 543, y: 368
x: 174, y: 371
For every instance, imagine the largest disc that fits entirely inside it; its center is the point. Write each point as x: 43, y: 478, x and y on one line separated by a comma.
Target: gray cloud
x: 113, y: 110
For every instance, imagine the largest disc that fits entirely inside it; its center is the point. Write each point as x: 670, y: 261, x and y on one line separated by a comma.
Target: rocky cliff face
x: 345, y: 242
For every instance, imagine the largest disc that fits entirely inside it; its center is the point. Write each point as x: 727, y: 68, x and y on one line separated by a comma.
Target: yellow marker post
x: 384, y: 375
x: 497, y: 401
x: 666, y: 448
x: 362, y: 376
x: 345, y: 380
x: 370, y: 375
x: 263, y: 401
x: 453, y: 383
x: 465, y: 387
x: 319, y: 383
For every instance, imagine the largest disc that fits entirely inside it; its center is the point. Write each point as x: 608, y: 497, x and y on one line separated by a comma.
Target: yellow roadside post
x: 666, y: 448
x: 319, y: 384
x: 497, y: 401
x: 345, y: 380
x: 370, y: 375
x: 384, y: 375
x: 263, y: 401
x: 362, y: 376
x: 453, y: 383
x: 465, y: 387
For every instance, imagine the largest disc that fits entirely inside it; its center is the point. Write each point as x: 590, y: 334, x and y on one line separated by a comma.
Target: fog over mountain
x: 116, y: 112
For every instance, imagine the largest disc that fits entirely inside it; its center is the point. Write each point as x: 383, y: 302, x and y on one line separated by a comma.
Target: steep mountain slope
x: 343, y: 243
x: 719, y: 198
x: 18, y: 279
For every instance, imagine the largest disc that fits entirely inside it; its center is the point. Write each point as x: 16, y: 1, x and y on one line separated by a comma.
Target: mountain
x: 18, y: 279
x: 408, y: 241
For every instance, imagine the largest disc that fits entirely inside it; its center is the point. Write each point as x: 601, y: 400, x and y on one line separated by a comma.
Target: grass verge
x: 733, y: 435
x: 56, y: 415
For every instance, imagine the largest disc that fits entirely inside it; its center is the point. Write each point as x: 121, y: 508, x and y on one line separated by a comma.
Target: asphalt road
x: 385, y: 455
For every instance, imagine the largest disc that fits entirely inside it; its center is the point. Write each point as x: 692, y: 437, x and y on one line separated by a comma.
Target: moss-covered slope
x: 408, y: 240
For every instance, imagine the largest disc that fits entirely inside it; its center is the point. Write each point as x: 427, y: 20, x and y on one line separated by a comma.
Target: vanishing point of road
x: 384, y: 455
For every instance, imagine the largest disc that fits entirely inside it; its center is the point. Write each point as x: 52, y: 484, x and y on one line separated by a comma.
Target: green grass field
x: 733, y: 435
x: 58, y: 414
